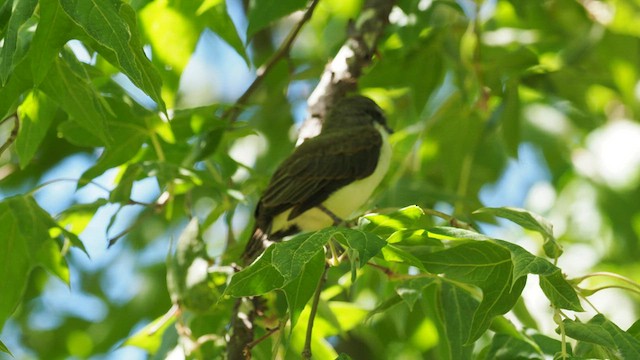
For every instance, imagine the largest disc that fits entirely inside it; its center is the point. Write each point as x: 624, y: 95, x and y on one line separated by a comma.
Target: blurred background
x: 529, y: 104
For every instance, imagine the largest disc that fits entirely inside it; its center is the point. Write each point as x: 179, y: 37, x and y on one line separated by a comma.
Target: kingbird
x: 327, y: 177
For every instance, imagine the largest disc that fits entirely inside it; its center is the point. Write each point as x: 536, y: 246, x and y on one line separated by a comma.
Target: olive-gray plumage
x: 347, y: 150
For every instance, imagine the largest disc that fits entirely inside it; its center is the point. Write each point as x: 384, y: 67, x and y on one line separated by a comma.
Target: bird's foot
x: 336, y: 220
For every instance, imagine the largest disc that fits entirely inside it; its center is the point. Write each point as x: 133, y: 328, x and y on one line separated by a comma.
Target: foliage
x: 472, y: 90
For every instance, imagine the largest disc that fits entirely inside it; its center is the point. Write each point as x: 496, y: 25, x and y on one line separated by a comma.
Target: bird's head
x: 355, y: 110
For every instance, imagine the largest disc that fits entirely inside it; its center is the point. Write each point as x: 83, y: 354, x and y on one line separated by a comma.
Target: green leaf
x: 25, y: 244
x: 280, y: 264
x: 76, y: 217
x: 505, y: 347
x: 4, y: 348
x: 410, y: 290
x: 149, y: 338
x: 386, y: 224
x: 366, y: 245
x: 343, y: 356
x: 558, y: 290
x: 172, y: 33
x: 385, y: 305
x: 122, y: 192
x: 77, y: 98
x: 54, y: 30
x: 36, y: 114
x: 19, y: 82
x: 529, y: 221
x: 128, y: 134
x: 257, y: 279
x: 111, y: 24
x: 635, y: 329
x: 300, y: 290
x: 487, y: 266
x: 526, y: 263
x: 457, y: 307
x: 21, y: 12
x: 453, y: 233
x: 182, y: 178
x: 509, y: 117
x: 214, y: 14
x: 393, y: 253
x: 410, y: 237
x: 599, y: 330
x: 290, y: 257
x: 262, y: 13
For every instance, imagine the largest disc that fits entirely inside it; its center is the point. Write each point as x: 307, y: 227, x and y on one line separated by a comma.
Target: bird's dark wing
x: 316, y: 169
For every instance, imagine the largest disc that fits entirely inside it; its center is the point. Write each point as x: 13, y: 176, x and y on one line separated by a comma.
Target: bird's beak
x: 389, y: 130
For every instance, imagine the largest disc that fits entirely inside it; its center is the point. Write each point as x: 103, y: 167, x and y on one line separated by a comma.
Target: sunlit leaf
x: 36, y: 114
x: 386, y: 224
x: 76, y: 217
x: 149, y: 337
x: 453, y: 233
x: 172, y: 34
x: 393, y: 253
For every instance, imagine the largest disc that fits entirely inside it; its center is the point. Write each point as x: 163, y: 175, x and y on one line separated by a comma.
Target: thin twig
x: 14, y: 132
x: 231, y: 114
x: 262, y: 338
x: 112, y: 241
x: 306, y: 352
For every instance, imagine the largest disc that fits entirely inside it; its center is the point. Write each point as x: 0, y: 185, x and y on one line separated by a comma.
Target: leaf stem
x: 607, y: 274
x: 306, y: 352
x: 46, y: 183
x: 156, y: 146
x: 558, y: 319
x: 452, y: 220
x: 595, y: 290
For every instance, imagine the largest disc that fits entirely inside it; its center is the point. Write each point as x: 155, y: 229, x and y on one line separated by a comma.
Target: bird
x: 327, y: 177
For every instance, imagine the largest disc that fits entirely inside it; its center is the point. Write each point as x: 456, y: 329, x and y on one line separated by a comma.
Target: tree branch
x: 14, y: 132
x: 341, y: 74
x: 231, y: 114
x: 339, y: 77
